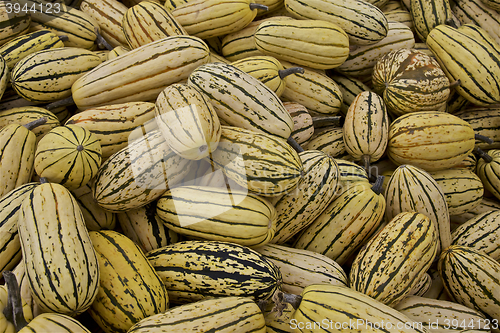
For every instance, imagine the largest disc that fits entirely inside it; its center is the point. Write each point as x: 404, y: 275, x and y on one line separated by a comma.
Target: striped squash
x: 61, y: 264
x: 138, y: 174
x: 241, y: 44
x: 264, y: 164
x: 439, y: 315
x: 223, y: 314
x: 11, y: 99
x: 303, y: 127
x: 346, y: 224
x: 26, y: 114
x: 114, y: 124
x: 366, y: 128
x: 4, y: 76
x: 144, y: 227
x: 313, y: 89
x: 472, y: 279
x: 180, y: 106
x: 487, y: 170
x: 411, y: 189
x: 63, y: 20
x: 24, y: 45
x: 493, y: 4
x: 17, y: 154
x: 469, y: 60
x: 475, y: 12
x: 470, y: 162
x: 481, y: 233
x: 410, y: 81
x: 343, y: 309
x: 10, y: 246
x: 315, y: 190
x: 394, y: 261
x: 108, y: 14
x: 117, y: 51
x: 218, y: 214
x: 421, y: 287
x: 430, y: 140
x: 402, y: 16
x: 350, y: 87
x: 291, y: 40
x: 12, y: 24
x: 456, y: 103
x: 363, y: 58
x: 95, y: 217
x: 350, y: 173
x: 140, y: 74
x: 436, y: 291
x: 484, y: 121
x: 363, y: 22
x: 224, y: 269
x: 330, y: 141
x: 149, y: 21
x: 69, y: 155
x: 213, y: 18
x: 242, y: 100
x: 301, y: 268
x: 462, y: 189
x: 129, y: 288
x: 54, y: 322
x: 48, y: 75
x: 485, y: 205
x: 427, y: 15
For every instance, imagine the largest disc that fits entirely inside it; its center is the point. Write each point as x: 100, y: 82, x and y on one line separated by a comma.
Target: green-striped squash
x: 144, y: 227
x: 138, y: 173
x: 343, y: 309
x: 472, y: 279
x: 462, y: 189
x: 481, y: 233
x: 140, y: 74
x: 117, y: 51
x: 487, y: 170
x: 330, y: 141
x: 422, y: 286
x: 485, y: 205
x: 213, y: 18
x: 430, y: 140
x: 456, y: 103
x: 315, y: 190
x: 291, y: 40
x: 366, y: 128
x: 303, y: 127
x: 410, y: 81
x: 12, y: 24
x: 129, y: 288
x: 350, y: 87
x: 149, y: 21
x: 393, y: 262
x: 411, y: 189
x: 215, y: 269
x: 469, y: 60
x: 346, y: 224
x: 402, y: 16
x: 22, y: 46
x: 4, y: 76
x: 242, y: 100
x: 218, y: 214
x: 114, y: 124
x: 262, y: 163
x: 484, y: 121
x: 61, y: 264
x: 222, y: 314
x: 301, y: 268
x: 475, y: 12
x: 439, y: 315
x: 54, y: 322
x: 26, y: 114
x: 313, y: 89
x: 10, y: 246
x: 69, y: 155
x: 427, y: 15
x: 95, y: 217
x: 494, y: 4
x: 48, y: 75
x: 108, y: 14
x: 181, y: 106
x: 350, y: 173
x: 348, y: 15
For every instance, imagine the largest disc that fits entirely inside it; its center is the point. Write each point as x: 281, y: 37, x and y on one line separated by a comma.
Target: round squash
x: 69, y: 155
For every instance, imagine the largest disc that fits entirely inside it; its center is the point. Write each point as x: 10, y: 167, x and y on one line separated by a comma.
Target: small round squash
x: 69, y: 155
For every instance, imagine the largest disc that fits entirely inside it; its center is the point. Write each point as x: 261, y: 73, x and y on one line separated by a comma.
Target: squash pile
x: 250, y: 166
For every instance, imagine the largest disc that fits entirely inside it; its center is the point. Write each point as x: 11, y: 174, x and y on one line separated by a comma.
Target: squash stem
x: 35, y: 123
x: 60, y: 103
x: 258, y: 6
x: 63, y: 38
x: 377, y: 187
x: 43, y: 180
x: 337, y: 121
x: 366, y: 162
x: 482, y: 154
x: 14, y: 309
x: 455, y: 84
x: 483, y: 138
x: 280, y: 299
x: 289, y: 71
x: 295, y: 145
x: 101, y: 40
